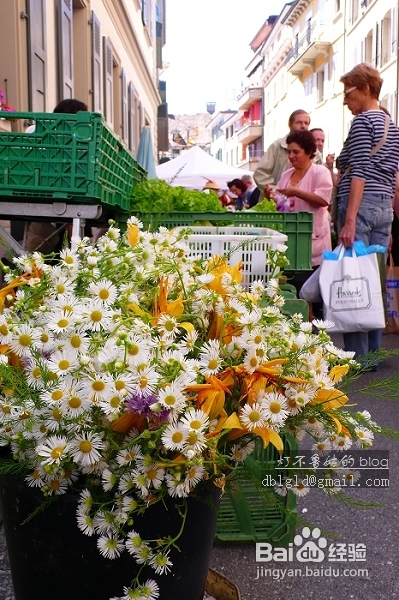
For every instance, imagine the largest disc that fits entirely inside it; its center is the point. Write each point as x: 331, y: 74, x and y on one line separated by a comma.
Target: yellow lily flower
x: 331, y: 398
x: 22, y: 280
x: 219, y: 267
x: 338, y: 372
x: 133, y: 234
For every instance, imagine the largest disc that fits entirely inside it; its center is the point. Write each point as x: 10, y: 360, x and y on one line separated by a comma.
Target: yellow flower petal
x: 331, y: 398
x: 338, y: 372
x: 187, y: 326
x: 133, y: 234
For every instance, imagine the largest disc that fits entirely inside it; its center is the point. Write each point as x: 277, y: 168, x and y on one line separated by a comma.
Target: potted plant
x: 135, y: 376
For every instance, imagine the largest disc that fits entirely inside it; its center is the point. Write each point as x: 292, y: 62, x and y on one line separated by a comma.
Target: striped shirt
x: 378, y: 171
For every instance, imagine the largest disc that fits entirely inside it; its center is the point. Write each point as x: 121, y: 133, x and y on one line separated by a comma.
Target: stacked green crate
x: 251, y: 512
x: 297, y: 226
x: 72, y: 157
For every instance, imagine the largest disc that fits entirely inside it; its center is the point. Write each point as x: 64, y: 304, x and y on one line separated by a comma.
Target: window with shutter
x: 37, y: 55
x: 144, y: 11
x: 108, y: 83
x: 132, y: 118
x: 125, y: 127
x: 96, y: 63
x: 141, y: 118
x: 386, y: 28
x: 65, y: 49
x: 377, y: 47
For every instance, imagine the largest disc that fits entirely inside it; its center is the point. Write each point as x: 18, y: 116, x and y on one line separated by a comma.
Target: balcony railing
x: 249, y: 132
x: 302, y: 44
x: 307, y: 49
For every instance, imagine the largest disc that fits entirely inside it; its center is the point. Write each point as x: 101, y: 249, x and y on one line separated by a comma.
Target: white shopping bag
x: 351, y: 292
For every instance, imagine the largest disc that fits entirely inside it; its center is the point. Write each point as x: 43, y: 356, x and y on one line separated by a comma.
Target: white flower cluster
x: 136, y: 371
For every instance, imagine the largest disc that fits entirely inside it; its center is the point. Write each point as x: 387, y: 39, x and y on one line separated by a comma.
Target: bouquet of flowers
x: 3, y: 104
x: 134, y: 370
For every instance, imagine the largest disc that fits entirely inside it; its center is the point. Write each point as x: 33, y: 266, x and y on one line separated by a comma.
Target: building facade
x: 106, y: 53
x: 305, y: 51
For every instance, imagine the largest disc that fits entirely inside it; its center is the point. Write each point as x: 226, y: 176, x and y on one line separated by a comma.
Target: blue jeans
x: 373, y: 226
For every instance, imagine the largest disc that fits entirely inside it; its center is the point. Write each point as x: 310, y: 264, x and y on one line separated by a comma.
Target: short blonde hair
x: 364, y: 75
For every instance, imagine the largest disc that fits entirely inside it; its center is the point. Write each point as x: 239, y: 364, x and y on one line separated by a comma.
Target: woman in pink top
x: 307, y: 187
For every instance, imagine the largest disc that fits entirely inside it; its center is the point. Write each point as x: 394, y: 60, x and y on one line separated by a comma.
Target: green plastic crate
x: 71, y: 157
x: 246, y: 514
x: 297, y: 226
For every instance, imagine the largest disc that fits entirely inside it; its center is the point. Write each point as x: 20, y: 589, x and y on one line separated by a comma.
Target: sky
x: 207, y: 49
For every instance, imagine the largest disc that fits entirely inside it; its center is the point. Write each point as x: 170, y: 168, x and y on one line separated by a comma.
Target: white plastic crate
x: 211, y: 241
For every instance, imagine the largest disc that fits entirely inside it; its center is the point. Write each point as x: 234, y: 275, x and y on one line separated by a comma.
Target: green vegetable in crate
x: 264, y: 206
x: 156, y: 196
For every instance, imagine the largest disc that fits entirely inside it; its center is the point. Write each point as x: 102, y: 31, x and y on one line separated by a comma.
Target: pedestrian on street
x: 368, y: 166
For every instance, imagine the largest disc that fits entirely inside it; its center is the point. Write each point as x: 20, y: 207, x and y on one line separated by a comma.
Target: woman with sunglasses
x: 368, y: 165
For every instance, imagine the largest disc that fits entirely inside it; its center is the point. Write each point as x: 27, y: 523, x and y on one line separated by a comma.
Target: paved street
x: 377, y: 528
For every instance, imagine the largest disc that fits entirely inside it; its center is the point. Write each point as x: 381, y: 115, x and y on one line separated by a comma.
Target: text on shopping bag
x: 350, y: 292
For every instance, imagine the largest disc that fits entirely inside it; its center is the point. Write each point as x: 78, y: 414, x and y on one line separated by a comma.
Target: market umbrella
x: 145, y: 153
x: 194, y: 167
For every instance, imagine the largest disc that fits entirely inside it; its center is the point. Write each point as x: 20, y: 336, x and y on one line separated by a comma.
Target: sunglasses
x: 347, y: 92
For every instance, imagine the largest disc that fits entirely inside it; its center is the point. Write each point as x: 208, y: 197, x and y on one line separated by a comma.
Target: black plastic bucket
x: 51, y: 559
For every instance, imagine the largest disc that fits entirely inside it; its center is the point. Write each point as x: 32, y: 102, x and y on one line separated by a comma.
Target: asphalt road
x: 375, y: 578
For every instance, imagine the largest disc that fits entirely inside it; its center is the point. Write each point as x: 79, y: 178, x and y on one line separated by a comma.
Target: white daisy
x: 141, y: 482
x: 299, y: 488
x: 85, y: 523
x: 274, y: 407
x: 129, y: 455
x: 168, y: 325
x: 349, y: 476
x: 252, y: 416
x: 209, y: 358
x: 161, y: 563
x: 104, y: 522
x: 195, y: 420
x: 62, y: 283
x: 172, y: 397
x: 154, y: 476
x: 239, y: 452
x: 104, y: 291
x: 110, y: 546
x: 25, y: 339
x: 108, y: 480
x: 75, y: 341
x: 133, y: 542
x: 252, y: 361
x: 5, y: 333
x: 150, y: 590
x: 194, y: 475
x: 365, y: 437
x: 98, y: 387
x: 36, y: 478
x: 54, y: 450
x: 63, y: 362
x: 176, y: 487
x: 96, y: 316
x: 55, y: 394
x: 341, y: 443
x: 76, y: 401
x: 146, y: 381
x: 322, y: 325
x: 70, y: 259
x: 322, y: 446
x: 194, y: 443
x: 174, y: 436
x: 86, y: 448
x: 56, y: 486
